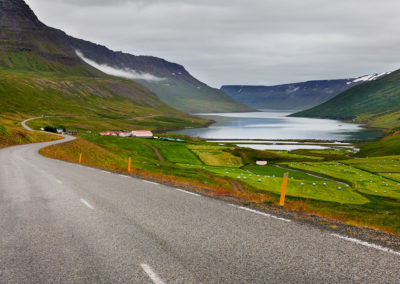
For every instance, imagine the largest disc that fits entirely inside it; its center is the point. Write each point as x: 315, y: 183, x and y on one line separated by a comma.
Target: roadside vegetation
x: 328, y: 183
x: 12, y: 133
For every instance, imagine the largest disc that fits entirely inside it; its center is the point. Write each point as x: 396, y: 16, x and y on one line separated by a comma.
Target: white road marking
x: 59, y: 181
x: 87, y: 203
x: 106, y: 172
x: 261, y: 213
x: 367, y: 244
x: 151, y: 274
x: 151, y: 182
x: 123, y: 176
x: 188, y: 192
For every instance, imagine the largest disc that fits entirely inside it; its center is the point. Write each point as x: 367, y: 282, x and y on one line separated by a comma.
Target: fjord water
x: 276, y: 125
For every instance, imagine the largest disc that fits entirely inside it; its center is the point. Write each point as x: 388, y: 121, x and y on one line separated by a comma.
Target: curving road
x: 65, y: 223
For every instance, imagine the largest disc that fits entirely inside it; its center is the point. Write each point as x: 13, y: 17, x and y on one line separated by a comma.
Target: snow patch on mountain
x: 370, y: 77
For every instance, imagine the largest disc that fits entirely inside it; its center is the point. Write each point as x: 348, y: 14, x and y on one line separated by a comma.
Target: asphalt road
x: 66, y: 223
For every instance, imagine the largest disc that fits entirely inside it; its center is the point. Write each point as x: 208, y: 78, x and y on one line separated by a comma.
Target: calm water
x: 275, y: 125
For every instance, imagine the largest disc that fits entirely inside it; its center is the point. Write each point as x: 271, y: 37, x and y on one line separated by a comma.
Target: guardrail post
x: 129, y: 164
x: 80, y: 158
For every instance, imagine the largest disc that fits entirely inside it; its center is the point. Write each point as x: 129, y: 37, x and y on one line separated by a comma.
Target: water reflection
x: 276, y: 125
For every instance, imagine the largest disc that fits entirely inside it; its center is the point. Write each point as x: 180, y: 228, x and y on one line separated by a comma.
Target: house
x: 117, y: 133
x: 124, y: 134
x: 142, y: 134
x: 261, y: 163
x: 107, y: 133
x: 60, y: 130
x: 72, y: 132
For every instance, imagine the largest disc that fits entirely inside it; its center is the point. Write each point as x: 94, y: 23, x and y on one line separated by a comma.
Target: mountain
x: 172, y: 83
x: 375, y: 102
x: 296, y: 96
x: 40, y: 74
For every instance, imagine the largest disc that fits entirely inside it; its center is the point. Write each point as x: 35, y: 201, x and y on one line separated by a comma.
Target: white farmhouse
x: 142, y: 134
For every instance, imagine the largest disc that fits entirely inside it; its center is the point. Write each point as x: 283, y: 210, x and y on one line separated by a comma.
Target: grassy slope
x: 95, y: 103
x: 376, y: 103
x: 191, y: 99
x: 12, y: 133
x: 389, y: 145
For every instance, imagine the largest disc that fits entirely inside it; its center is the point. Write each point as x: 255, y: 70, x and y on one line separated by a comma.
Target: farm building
x: 116, y: 133
x: 142, y: 134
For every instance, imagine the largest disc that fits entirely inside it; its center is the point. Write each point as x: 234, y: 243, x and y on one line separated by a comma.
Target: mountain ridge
x: 375, y: 102
x: 292, y: 96
x: 178, y: 89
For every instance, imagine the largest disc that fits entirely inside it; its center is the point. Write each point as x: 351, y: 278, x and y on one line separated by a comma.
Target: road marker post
x: 283, y: 192
x: 80, y: 158
x: 55, y: 155
x: 129, y: 164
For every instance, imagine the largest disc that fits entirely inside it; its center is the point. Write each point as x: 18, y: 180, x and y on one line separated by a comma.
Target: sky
x: 242, y: 42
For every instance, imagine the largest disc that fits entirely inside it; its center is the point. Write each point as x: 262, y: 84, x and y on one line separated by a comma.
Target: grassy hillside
x: 192, y: 99
x: 389, y: 145
x: 93, y: 103
x: 12, y: 133
x: 376, y: 103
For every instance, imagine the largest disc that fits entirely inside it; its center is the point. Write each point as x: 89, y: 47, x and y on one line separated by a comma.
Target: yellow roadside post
x: 129, y: 164
x: 55, y: 155
x: 80, y: 158
x: 283, y: 192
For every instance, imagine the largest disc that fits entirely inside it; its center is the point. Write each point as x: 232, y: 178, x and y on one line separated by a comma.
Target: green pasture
x: 216, y: 156
x: 298, y: 186
x: 360, y: 180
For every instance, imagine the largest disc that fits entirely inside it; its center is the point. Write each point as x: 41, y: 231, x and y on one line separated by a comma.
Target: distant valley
x: 295, y: 96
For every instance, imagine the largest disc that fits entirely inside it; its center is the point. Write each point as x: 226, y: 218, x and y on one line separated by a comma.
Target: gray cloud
x: 242, y: 42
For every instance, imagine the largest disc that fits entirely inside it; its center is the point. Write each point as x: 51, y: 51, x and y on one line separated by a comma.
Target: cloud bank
x: 124, y: 73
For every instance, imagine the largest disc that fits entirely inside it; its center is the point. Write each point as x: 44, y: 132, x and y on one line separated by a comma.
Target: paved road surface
x: 65, y: 223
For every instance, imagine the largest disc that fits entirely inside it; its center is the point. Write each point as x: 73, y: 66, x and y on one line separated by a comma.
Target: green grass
x: 271, y: 181
x: 12, y: 133
x: 186, y: 97
x: 216, y: 156
x: 175, y: 152
x: 385, y: 164
x: 376, y: 103
x: 360, y: 180
x: 95, y: 103
x: 383, y: 147
x: 289, y: 155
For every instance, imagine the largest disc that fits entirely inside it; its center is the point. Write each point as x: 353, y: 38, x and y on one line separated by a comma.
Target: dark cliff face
x: 143, y: 64
x: 17, y: 15
x: 26, y: 43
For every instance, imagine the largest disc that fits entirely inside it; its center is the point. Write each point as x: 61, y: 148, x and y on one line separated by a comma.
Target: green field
x: 216, y: 156
x: 271, y: 181
x: 362, y: 181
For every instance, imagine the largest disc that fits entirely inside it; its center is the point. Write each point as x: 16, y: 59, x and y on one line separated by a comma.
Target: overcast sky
x: 261, y: 42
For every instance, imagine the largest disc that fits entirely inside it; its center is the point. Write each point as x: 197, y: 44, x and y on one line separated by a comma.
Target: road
x: 66, y: 223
